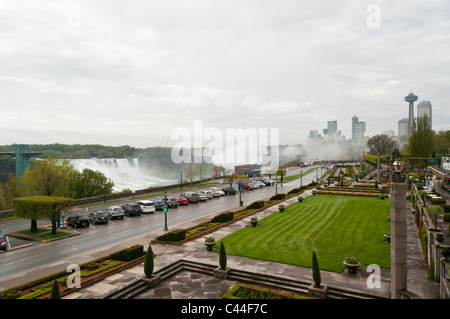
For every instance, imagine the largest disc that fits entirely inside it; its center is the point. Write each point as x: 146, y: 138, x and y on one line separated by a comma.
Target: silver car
x: 114, y: 212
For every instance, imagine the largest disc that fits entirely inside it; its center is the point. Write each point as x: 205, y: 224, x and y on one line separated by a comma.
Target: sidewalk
x: 187, y: 285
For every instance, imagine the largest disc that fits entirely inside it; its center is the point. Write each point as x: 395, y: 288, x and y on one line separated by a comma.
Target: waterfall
x: 124, y: 172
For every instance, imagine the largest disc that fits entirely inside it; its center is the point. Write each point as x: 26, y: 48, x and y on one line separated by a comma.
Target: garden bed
x: 245, y: 291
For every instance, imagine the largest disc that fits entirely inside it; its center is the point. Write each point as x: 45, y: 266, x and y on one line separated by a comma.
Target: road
x: 103, y: 236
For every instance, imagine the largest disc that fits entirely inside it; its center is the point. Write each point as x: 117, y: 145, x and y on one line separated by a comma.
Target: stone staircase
x: 258, y: 279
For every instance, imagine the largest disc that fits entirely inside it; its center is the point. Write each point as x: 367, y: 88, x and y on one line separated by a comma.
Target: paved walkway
x: 187, y: 285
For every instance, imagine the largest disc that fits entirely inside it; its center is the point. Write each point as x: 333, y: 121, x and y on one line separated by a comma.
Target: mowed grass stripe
x: 333, y: 226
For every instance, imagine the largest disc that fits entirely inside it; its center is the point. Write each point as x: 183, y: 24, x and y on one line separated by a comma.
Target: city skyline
x: 130, y: 74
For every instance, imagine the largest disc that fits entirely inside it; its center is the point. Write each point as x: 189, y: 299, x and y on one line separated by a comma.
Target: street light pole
x: 301, y: 178
x: 165, y: 212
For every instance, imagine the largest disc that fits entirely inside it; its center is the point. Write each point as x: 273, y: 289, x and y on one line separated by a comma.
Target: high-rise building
x: 403, y: 126
x: 423, y: 108
x: 358, y: 128
x: 332, y: 127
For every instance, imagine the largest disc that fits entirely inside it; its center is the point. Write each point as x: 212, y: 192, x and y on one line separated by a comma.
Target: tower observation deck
x: 411, y: 98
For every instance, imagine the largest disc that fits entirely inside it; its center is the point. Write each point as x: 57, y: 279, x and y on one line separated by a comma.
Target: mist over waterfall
x: 126, y: 173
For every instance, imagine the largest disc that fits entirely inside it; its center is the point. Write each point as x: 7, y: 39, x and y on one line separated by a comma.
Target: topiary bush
x: 173, y: 236
x: 93, y: 266
x: 445, y: 207
x: 223, y: 218
x: 129, y: 254
x: 256, y: 205
x: 447, y: 217
x: 278, y: 196
x: 438, y: 201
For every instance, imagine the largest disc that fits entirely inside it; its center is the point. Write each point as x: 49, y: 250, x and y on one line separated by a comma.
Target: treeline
x: 79, y: 151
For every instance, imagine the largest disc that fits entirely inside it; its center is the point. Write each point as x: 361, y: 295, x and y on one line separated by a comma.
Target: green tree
x: 40, y: 207
x: 149, y: 262
x: 89, y: 183
x: 421, y: 141
x: 55, y: 291
x: 48, y: 177
x: 381, y: 145
x: 222, y: 257
x: 190, y: 172
x: 8, y: 191
x: 201, y: 169
x: 316, y: 270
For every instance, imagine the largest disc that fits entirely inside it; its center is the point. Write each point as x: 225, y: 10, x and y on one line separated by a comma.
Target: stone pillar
x: 398, y: 240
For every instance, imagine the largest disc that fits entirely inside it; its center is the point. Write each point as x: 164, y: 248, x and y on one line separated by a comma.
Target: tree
x: 316, y: 270
x: 48, y: 177
x: 8, y: 191
x: 55, y: 291
x: 421, y: 141
x: 222, y: 256
x: 189, y: 172
x: 217, y: 170
x: 201, y: 168
x: 381, y: 145
x: 149, y: 263
x: 281, y: 172
x: 90, y: 183
x: 40, y: 207
x: 230, y: 179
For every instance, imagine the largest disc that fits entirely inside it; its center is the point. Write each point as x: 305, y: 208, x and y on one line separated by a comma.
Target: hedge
x: 129, y: 254
x: 256, y: 205
x: 223, y: 218
x: 176, y: 235
x: 445, y: 207
x: 278, y: 196
x: 447, y: 217
x: 438, y: 201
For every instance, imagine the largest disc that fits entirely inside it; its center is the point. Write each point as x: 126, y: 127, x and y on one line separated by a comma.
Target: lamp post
x: 165, y: 212
x: 301, y: 178
x: 398, y: 233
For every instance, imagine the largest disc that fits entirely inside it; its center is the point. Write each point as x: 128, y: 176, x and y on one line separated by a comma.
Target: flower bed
x: 245, y: 291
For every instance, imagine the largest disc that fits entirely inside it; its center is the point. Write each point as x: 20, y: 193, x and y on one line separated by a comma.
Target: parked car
x: 173, y: 202
x: 257, y: 184
x: 267, y: 181
x: 159, y: 205
x: 218, y: 190
x: 191, y: 197
x: 98, y: 217
x: 247, y: 187
x: 182, y: 201
x: 114, y: 212
x: 147, y: 206
x: 208, y: 194
x: 2, y: 241
x: 229, y: 191
x: 132, y: 209
x: 202, y: 197
x: 78, y: 220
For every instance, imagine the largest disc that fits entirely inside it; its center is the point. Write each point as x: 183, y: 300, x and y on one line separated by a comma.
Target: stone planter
x: 300, y: 200
x: 352, y: 267
x: 281, y: 209
x: 317, y: 292
x: 152, y: 281
x: 254, y: 223
x: 387, y: 238
x: 209, y: 245
x: 222, y: 273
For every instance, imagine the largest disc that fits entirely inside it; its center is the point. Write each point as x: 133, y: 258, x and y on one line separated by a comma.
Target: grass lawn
x: 333, y: 226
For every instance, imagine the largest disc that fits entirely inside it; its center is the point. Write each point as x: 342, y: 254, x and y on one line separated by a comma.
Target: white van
x: 147, y: 206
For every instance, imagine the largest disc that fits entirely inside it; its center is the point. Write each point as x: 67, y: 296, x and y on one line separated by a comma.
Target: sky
x: 131, y: 72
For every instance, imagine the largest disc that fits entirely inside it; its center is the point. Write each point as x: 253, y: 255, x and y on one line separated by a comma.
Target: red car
x: 182, y: 200
x: 247, y: 187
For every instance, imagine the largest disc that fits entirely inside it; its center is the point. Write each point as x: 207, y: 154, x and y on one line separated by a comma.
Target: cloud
x: 117, y: 73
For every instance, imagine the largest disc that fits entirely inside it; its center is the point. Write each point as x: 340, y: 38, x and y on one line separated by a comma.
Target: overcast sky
x: 130, y: 72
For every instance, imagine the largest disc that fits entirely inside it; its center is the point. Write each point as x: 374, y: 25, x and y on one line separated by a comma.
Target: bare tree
x: 381, y: 145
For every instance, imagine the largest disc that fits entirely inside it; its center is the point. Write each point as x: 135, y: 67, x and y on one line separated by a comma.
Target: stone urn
x: 281, y: 208
x: 351, y: 267
x: 209, y: 243
x: 387, y: 238
x: 254, y: 222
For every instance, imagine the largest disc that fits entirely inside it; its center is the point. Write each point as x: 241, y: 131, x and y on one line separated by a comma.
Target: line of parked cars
x: 148, y: 206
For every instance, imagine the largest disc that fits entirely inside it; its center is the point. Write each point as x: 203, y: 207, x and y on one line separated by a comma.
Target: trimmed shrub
x: 55, y: 290
x: 149, y: 263
x: 223, y: 218
x: 129, y: 254
x: 438, y: 201
x: 278, y: 196
x: 316, y: 270
x: 173, y: 236
x: 447, y: 217
x: 435, y: 209
x: 294, y: 191
x: 13, y: 294
x: 222, y: 257
x: 256, y: 205
x: 445, y: 207
x: 93, y: 266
